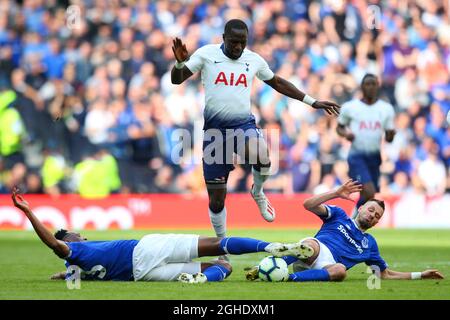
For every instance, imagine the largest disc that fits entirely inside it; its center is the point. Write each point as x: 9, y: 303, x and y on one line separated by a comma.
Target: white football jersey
x: 227, y: 84
x: 367, y: 122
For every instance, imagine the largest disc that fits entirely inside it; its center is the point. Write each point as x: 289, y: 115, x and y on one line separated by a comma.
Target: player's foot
x: 192, y: 278
x: 265, y: 208
x: 298, y: 250
x: 252, y: 273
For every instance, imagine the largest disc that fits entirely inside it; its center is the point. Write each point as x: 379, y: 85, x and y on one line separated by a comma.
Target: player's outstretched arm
x: 288, y: 89
x: 315, y: 203
x: 59, y: 247
x: 388, y: 274
x: 179, y: 72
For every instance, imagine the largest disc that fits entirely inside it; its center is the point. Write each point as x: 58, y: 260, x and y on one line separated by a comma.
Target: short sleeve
x: 264, y: 73
x: 389, y: 119
x: 195, y: 62
x: 375, y: 259
x: 344, y: 115
x: 74, y: 252
x: 334, y: 213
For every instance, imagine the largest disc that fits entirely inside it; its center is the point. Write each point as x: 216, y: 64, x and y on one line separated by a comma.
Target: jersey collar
x: 369, y: 105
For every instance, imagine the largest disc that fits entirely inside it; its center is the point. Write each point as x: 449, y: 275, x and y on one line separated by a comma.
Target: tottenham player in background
x: 156, y: 257
x: 342, y: 242
x: 227, y: 72
x: 363, y: 122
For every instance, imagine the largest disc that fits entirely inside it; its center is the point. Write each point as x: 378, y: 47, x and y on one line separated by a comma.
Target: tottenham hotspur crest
x: 365, y: 243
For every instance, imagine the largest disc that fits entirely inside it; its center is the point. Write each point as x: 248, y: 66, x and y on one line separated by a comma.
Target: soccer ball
x: 273, y: 269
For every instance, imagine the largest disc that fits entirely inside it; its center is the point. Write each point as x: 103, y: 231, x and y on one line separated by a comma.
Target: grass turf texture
x: 26, y: 265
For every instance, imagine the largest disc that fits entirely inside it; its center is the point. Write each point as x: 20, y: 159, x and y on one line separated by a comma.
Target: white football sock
x: 259, y: 177
x: 219, y: 221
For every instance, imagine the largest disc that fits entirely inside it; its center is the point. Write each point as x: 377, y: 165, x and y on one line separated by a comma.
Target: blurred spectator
x: 432, y: 173
x: 328, y: 184
x: 96, y: 176
x: 12, y: 130
x: 401, y: 184
x: 53, y: 172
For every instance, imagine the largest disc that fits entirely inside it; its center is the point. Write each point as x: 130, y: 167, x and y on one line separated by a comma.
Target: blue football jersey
x: 347, y: 243
x: 103, y: 260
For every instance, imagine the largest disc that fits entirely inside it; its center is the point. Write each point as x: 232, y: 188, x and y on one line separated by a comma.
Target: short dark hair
x: 368, y: 75
x: 235, y: 24
x: 60, y: 234
x: 380, y: 202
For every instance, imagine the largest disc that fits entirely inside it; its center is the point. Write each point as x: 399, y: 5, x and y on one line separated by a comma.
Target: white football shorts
x: 324, y: 259
x: 162, y: 257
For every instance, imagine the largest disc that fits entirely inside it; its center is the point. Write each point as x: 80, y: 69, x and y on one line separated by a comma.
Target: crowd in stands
x: 87, y: 105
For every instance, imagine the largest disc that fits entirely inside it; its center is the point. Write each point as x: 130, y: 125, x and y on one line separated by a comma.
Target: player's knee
x: 315, y: 246
x: 337, y: 272
x: 215, y: 241
x: 368, y: 191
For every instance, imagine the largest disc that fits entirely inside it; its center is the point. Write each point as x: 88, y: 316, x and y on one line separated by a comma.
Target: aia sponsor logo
x: 231, y: 79
x: 370, y: 125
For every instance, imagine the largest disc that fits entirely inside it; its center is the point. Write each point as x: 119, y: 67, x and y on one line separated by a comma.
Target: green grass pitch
x: 26, y: 265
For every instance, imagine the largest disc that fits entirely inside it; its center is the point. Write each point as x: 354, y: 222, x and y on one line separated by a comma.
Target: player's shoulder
x: 371, y: 239
x: 252, y: 55
x: 381, y: 103
x: 351, y: 103
x: 335, y: 212
x: 350, y: 107
x: 208, y: 49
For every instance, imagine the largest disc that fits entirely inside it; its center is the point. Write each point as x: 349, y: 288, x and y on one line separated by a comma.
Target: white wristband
x: 308, y: 100
x: 416, y: 275
x: 179, y: 65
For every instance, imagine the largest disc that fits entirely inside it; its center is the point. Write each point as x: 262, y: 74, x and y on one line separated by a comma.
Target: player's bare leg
x: 256, y: 150
x: 367, y: 193
x: 216, y: 270
x: 217, y: 211
x: 211, y: 246
x: 333, y: 272
x: 306, y: 250
x: 337, y: 272
x: 216, y: 208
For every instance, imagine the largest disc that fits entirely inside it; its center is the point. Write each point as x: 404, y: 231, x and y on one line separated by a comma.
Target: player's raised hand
x: 432, y: 274
x: 179, y: 50
x: 18, y: 201
x: 330, y: 107
x: 348, y: 188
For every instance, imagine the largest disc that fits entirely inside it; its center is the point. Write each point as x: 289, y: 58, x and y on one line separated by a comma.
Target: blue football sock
x: 310, y: 275
x: 237, y: 245
x: 216, y: 272
x: 289, y: 259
